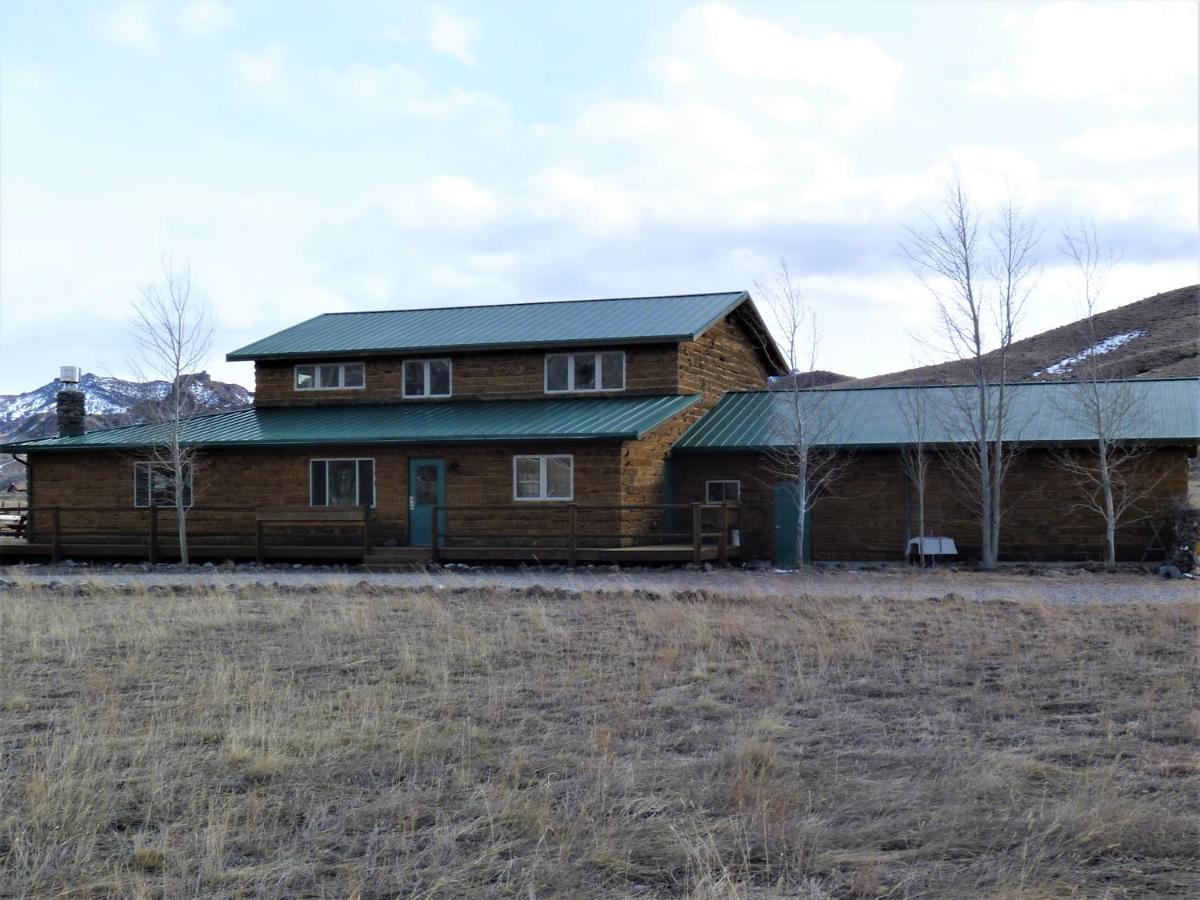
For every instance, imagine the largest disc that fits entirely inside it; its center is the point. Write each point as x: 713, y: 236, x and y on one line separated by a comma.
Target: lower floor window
x: 543, y: 477
x: 722, y: 491
x: 341, y: 482
x: 154, y: 484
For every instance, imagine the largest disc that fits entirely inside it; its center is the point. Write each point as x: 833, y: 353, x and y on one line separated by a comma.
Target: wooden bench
x: 309, y: 517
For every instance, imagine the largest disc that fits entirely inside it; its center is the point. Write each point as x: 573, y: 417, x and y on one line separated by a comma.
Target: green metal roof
x: 611, y: 418
x: 575, y: 322
x: 1167, y: 410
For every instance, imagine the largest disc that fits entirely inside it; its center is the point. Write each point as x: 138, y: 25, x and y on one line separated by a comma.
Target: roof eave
x: 892, y: 445
x: 238, y: 356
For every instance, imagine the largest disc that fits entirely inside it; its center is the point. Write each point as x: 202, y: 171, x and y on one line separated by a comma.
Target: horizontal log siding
x: 650, y: 369
x: 479, y: 475
x: 725, y: 358
x: 864, y: 516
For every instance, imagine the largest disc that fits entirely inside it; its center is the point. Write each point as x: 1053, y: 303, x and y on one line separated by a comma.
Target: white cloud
x: 261, y: 70
x: 741, y: 121
x: 593, y: 205
x: 442, y: 201
x: 397, y: 89
x: 714, y: 42
x: 203, y: 18
x: 131, y: 25
x: 1127, y: 54
x: 143, y: 26
x: 1133, y: 141
x: 453, y: 34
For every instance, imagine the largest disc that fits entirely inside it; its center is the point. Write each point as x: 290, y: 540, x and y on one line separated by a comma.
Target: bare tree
x: 805, y: 420
x: 172, y: 331
x: 980, y: 283
x: 1108, y: 475
x: 914, y: 455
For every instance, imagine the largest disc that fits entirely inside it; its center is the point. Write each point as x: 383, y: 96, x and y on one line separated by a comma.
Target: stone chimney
x: 70, y: 403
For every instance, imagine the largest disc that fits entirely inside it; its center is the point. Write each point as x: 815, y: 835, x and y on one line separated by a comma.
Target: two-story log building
x: 623, y: 429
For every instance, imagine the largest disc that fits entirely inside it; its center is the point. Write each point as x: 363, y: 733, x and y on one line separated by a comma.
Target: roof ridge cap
x: 364, y: 312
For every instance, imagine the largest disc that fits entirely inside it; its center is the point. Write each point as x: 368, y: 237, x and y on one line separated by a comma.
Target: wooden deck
x: 16, y: 551
x: 573, y: 546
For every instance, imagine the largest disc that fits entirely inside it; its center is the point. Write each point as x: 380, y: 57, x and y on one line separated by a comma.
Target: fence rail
x: 722, y: 518
x: 498, y: 531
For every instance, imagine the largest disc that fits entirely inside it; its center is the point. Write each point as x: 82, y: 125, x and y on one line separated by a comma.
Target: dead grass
x: 374, y: 743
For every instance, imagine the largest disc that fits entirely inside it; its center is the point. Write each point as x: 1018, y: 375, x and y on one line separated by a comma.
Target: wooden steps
x: 382, y: 558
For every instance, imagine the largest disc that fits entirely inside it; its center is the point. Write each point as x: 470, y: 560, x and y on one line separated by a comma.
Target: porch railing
x: 566, y: 530
x: 212, y: 531
x: 572, y: 527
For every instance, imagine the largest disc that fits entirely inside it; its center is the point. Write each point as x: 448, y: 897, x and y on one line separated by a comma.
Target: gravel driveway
x: 1046, y: 584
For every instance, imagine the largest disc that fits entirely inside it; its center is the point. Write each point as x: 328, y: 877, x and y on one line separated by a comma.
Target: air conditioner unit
x: 68, y: 374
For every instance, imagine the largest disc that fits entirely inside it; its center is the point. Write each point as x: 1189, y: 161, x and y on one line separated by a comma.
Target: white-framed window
x: 570, y: 373
x: 154, y: 484
x: 722, y: 491
x: 341, y: 482
x: 544, y: 477
x: 427, y: 377
x: 331, y: 376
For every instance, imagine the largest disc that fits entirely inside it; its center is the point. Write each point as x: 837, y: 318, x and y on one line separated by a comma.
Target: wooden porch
x: 569, y: 534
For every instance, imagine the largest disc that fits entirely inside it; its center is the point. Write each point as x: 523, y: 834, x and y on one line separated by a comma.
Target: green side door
x: 787, y: 515
x: 426, y: 489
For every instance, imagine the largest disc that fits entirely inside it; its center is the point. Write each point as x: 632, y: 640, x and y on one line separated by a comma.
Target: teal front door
x: 787, y: 516
x: 426, y: 489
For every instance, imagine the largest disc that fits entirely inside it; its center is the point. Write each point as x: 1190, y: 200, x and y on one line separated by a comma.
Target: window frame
x: 708, y: 486
x: 146, y: 465
x: 357, y: 488
x: 426, y: 372
x: 599, y: 368
x: 543, y: 483
x: 316, y: 367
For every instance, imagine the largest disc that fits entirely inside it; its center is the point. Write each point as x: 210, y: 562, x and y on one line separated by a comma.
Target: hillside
x: 1158, y: 337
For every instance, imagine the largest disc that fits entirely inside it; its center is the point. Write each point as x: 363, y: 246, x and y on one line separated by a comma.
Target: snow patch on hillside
x: 1109, y: 344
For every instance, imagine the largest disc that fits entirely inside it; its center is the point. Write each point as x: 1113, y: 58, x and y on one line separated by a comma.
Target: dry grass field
x: 375, y: 743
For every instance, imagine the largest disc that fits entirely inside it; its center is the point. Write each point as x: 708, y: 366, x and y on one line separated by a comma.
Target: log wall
x: 510, y: 375
x: 871, y: 511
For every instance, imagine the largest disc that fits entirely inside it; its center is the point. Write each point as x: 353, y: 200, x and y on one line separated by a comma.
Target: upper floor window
x: 331, y: 377
x: 427, y: 378
x: 575, y: 372
x: 154, y: 484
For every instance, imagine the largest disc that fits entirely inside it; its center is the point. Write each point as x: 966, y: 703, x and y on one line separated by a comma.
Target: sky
x: 315, y: 157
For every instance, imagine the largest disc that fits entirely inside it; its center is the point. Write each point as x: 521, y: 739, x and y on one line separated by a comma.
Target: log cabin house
x: 621, y: 430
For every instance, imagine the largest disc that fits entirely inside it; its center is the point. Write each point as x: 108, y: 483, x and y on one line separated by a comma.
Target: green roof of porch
x: 601, y: 418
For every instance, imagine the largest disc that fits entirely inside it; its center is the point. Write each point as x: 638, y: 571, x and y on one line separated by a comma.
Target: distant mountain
x: 108, y: 402
x: 1158, y: 337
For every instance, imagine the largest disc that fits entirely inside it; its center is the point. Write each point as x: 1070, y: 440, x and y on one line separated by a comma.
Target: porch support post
x: 366, y: 526
x: 697, y: 534
x: 572, y: 535
x: 55, y: 535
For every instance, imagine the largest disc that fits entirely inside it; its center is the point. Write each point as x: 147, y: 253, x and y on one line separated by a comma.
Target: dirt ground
x: 379, y: 740
x: 1048, y: 584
